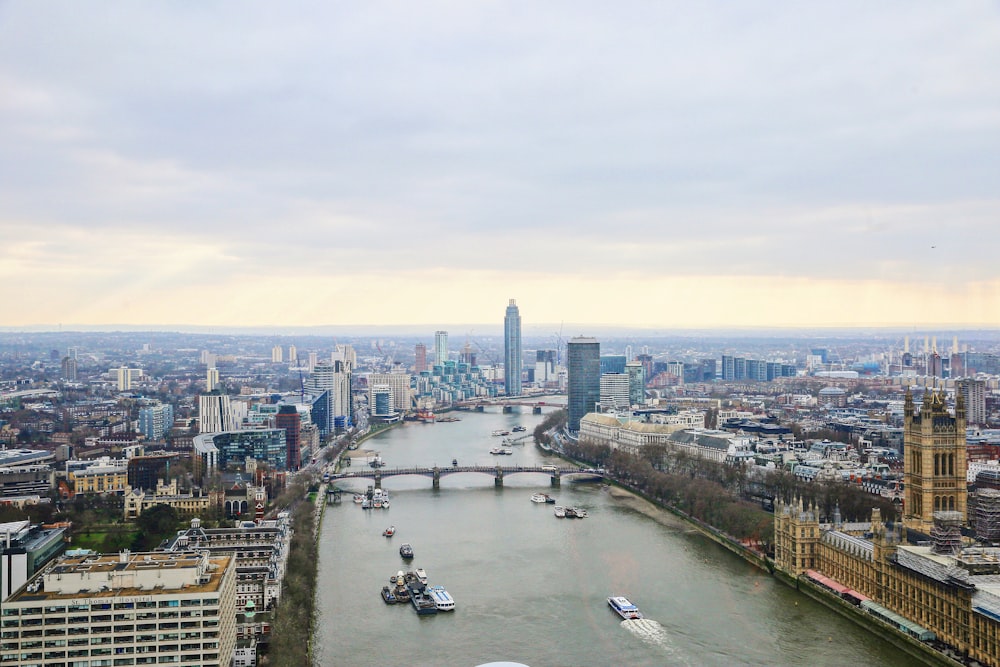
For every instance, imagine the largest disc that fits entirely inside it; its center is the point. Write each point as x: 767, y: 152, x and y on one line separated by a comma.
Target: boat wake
x: 655, y: 634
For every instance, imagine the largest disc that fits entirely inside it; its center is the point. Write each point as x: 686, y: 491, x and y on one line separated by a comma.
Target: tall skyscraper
x: 512, y: 350
x: 276, y: 354
x: 583, y: 356
x: 420, y: 358
x: 289, y: 420
x: 293, y: 354
x: 440, y: 347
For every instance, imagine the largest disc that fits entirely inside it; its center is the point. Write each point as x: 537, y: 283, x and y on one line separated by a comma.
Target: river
x: 532, y: 588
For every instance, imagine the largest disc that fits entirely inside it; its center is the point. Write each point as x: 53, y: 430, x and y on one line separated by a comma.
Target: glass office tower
x: 584, y: 377
x: 512, y: 350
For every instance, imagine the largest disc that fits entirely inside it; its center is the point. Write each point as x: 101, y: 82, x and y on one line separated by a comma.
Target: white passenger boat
x: 421, y: 575
x: 359, y: 498
x: 496, y: 450
x: 441, y: 598
x: 560, y: 512
x: 624, y: 608
x: 500, y: 433
x: 540, y: 498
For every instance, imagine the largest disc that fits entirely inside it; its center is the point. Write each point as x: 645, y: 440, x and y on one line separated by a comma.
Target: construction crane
x: 488, y: 355
x: 559, y: 344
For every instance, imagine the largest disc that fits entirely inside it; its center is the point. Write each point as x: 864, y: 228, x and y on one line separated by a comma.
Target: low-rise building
x: 186, y: 504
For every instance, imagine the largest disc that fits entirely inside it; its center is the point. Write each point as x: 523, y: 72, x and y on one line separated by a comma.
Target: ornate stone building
x: 933, y: 461
x: 948, y: 591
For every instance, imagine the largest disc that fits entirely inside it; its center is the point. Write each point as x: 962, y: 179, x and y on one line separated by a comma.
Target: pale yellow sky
x: 345, y: 164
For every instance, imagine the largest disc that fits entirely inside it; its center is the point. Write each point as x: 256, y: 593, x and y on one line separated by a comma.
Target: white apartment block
x: 400, y: 384
x: 123, y: 609
x: 215, y: 414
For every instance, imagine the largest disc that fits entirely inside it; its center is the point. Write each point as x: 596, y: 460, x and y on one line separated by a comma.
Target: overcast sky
x: 634, y: 163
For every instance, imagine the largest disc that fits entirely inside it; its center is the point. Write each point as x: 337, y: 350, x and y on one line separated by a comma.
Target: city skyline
x: 647, y: 166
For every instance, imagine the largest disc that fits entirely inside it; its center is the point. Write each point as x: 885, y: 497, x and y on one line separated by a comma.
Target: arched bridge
x: 436, y: 473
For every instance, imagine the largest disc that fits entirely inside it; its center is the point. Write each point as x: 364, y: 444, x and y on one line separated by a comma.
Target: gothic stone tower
x: 933, y: 460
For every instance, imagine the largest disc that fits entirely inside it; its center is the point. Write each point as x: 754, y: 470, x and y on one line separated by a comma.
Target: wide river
x: 532, y: 588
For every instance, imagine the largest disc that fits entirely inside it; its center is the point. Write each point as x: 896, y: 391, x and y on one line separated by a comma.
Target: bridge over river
x: 497, y: 472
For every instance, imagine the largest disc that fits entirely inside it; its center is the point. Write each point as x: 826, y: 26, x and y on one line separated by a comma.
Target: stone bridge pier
x: 378, y: 479
x: 436, y: 477
x: 498, y: 480
x: 556, y: 480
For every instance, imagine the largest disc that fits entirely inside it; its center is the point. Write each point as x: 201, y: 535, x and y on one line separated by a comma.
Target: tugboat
x: 389, y: 532
x: 406, y: 551
x: 388, y: 596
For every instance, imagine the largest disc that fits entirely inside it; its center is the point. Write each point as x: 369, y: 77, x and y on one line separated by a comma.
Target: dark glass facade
x: 583, y: 356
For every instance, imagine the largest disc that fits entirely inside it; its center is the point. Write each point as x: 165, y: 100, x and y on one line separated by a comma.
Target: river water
x: 532, y: 588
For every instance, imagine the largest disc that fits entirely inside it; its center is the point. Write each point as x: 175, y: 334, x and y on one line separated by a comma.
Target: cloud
x: 569, y: 144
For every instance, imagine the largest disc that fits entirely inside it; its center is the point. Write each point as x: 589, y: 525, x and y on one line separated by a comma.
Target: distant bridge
x: 498, y: 472
x: 509, y: 405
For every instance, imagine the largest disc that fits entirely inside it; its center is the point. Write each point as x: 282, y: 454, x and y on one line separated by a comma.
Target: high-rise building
x: 289, y: 420
x: 211, y: 379
x: 69, y: 369
x: 334, y: 379
x: 215, y: 414
x: 583, y: 357
x: 400, y: 384
x: 125, y: 376
x: 974, y: 393
x: 293, y: 355
x: 615, y: 391
x: 440, y: 347
x: 467, y: 355
x: 545, y: 366
x: 420, y: 358
x: 636, y: 382
x: 934, y: 461
x: 380, y: 400
x: 512, y: 350
x: 613, y: 363
x: 313, y: 360
x: 155, y: 421
x: 276, y: 354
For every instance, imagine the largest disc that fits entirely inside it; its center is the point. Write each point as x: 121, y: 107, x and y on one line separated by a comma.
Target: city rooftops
x: 126, y: 574
x: 12, y: 457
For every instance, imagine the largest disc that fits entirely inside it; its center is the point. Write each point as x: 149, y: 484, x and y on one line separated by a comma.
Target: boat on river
x: 389, y: 532
x: 624, y: 608
x: 406, y: 551
x: 442, y: 599
x: 519, y: 428
x: 542, y: 498
x: 500, y: 433
x: 388, y: 596
x: 496, y: 451
x: 421, y: 575
x: 560, y: 512
x: 422, y: 602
